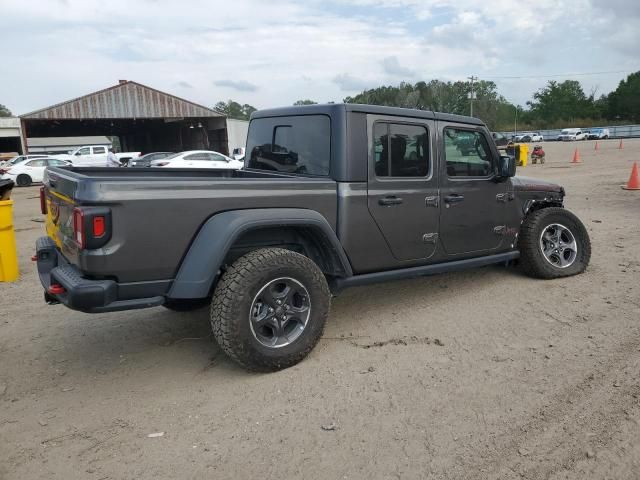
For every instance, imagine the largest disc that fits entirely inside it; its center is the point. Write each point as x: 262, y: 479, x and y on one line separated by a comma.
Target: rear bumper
x: 83, y: 294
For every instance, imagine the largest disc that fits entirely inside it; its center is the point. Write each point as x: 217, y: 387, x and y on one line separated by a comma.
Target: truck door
x: 99, y: 155
x: 402, y: 187
x: 473, y: 205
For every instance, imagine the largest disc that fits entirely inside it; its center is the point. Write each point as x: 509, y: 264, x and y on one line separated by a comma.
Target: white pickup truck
x: 93, y: 156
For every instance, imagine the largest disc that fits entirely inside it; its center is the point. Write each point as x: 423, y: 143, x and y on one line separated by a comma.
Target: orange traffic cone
x: 620, y: 147
x: 597, y: 147
x: 634, y: 179
x: 576, y: 157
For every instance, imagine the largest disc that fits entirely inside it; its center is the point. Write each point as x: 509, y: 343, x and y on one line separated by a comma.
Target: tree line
x: 556, y: 105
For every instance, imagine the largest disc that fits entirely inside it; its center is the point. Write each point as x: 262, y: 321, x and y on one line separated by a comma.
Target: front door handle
x: 454, y: 198
x: 388, y: 201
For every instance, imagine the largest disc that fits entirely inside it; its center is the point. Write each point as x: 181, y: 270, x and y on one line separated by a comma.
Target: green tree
x: 4, y: 111
x: 234, y: 110
x: 624, y: 102
x: 561, y: 101
x: 304, y: 102
x: 441, y: 96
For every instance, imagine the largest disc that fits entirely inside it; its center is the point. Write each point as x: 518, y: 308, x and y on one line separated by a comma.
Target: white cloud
x: 318, y: 49
x: 239, y: 85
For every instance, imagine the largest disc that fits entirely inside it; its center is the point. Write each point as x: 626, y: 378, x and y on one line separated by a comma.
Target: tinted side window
x: 52, y: 162
x: 97, y: 150
x: 202, y: 156
x: 36, y: 163
x: 296, y: 144
x: 401, y: 150
x: 467, y: 153
x: 84, y: 151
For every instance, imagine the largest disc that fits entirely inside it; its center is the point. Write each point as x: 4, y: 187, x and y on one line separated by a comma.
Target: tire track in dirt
x: 554, y: 438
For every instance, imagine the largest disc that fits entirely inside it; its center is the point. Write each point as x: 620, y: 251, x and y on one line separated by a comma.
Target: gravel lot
x: 481, y: 374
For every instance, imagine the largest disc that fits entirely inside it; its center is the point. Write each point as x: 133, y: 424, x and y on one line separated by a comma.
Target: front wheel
x: 269, y: 309
x: 553, y: 243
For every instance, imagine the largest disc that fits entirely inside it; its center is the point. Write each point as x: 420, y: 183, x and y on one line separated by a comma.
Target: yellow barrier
x: 523, y: 153
x: 8, y: 254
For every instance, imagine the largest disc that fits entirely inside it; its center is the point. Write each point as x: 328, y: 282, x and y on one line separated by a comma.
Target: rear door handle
x: 388, y: 201
x: 454, y: 198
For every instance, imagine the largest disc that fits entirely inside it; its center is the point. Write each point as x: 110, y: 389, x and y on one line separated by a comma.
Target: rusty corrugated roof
x: 125, y: 100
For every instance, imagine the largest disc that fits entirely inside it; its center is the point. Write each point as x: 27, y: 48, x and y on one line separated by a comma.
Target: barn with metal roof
x: 135, y: 117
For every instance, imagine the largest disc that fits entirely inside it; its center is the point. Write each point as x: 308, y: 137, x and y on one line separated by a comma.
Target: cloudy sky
x: 271, y: 53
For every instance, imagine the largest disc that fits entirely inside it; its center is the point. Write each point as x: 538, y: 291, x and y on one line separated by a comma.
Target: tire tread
x: 531, y: 259
x: 233, y: 288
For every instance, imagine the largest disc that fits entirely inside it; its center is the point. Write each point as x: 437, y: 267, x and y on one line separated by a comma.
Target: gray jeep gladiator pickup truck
x: 331, y: 196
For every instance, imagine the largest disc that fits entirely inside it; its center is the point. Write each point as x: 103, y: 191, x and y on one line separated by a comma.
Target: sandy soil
x: 481, y: 374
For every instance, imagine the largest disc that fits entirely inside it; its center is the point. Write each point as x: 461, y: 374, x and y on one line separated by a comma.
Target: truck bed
x: 164, y: 210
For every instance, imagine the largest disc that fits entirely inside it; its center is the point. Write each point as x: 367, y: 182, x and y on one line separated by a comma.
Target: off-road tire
x: 233, y: 298
x: 186, y: 305
x: 532, y: 260
x: 24, y: 180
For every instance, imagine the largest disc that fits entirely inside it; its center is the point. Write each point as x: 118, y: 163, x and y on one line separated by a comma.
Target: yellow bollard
x: 8, y: 254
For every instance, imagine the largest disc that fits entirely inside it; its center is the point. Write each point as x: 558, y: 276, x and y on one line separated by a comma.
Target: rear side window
x: 36, y: 163
x: 400, y: 150
x: 296, y: 144
x: 97, y: 150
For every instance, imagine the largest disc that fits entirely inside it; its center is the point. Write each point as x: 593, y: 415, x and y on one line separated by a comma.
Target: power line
x: 581, y: 74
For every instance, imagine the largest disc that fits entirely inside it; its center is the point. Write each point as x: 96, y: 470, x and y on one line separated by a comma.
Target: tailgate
x: 59, y: 221
x: 59, y: 190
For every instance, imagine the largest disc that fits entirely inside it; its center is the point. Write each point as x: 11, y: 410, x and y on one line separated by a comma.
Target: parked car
x: 499, y: 139
x: 93, y: 156
x: 146, y: 159
x: 598, y: 134
x: 572, y: 134
x: 32, y: 170
x: 18, y: 159
x: 198, y: 159
x: 530, y: 137
x: 267, y: 248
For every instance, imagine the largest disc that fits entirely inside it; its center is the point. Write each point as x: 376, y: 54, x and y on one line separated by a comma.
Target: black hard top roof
x: 330, y: 108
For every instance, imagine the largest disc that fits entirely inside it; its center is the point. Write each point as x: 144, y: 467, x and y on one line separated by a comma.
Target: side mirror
x: 506, y: 167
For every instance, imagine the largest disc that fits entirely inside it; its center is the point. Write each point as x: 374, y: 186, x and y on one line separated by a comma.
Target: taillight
x: 98, y: 226
x: 43, y: 201
x: 78, y: 227
x: 91, y: 227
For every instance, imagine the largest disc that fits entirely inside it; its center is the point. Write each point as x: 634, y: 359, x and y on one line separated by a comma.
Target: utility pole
x: 473, y: 79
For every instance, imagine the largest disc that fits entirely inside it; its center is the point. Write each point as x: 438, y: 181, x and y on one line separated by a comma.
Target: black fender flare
x: 201, y: 265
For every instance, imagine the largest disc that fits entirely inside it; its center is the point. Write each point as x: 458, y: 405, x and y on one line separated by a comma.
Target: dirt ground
x: 474, y: 375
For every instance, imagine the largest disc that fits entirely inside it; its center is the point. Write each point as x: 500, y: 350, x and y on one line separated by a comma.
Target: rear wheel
x: 553, y: 243
x: 269, y: 309
x: 23, y: 180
